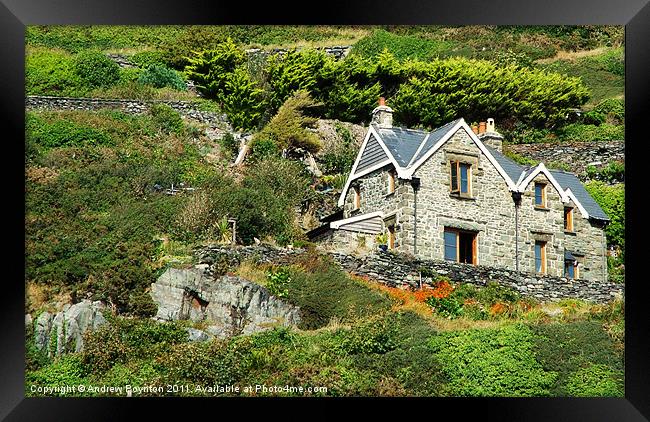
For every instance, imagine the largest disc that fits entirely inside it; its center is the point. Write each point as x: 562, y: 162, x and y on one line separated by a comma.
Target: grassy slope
x: 379, y: 351
x: 386, y: 350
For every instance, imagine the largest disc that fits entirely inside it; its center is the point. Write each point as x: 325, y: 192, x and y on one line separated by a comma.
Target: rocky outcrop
x: 228, y: 305
x: 63, y: 332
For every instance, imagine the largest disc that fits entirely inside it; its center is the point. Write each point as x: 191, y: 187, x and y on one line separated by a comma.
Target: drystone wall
x: 400, y: 270
x: 576, y: 156
x: 184, y: 108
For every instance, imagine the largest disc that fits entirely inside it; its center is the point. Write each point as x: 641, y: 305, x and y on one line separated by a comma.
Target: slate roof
x: 570, y: 181
x: 403, y: 144
x: 513, y: 169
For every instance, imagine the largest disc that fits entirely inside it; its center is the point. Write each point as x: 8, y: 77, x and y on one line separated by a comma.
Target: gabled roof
x: 407, y: 149
x: 513, y: 169
x: 432, y: 139
x: 569, y: 181
x: 402, y: 143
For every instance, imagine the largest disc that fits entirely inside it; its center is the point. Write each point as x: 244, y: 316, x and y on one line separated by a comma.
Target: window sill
x: 540, y: 208
x: 571, y: 232
x: 462, y: 196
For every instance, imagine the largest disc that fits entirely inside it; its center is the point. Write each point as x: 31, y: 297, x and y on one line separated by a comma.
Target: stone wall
x: 577, y: 156
x: 184, y: 108
x: 403, y: 271
x: 338, y: 52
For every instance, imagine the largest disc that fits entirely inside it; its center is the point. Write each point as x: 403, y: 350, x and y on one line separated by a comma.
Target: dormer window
x: 540, y: 195
x: 460, y: 177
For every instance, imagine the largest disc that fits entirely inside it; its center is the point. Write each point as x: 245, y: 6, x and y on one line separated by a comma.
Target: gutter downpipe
x: 415, y: 183
x: 516, y: 197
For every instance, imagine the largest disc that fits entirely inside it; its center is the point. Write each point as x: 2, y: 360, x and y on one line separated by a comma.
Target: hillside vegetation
x: 100, y: 221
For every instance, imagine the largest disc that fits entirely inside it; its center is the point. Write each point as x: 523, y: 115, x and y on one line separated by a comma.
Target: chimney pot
x: 382, y: 101
x: 481, y: 127
x: 490, y: 125
x: 475, y: 129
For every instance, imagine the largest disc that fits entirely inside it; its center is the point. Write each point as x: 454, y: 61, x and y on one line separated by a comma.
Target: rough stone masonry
x: 399, y: 270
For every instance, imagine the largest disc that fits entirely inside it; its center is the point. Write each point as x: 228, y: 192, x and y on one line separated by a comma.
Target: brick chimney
x: 489, y: 136
x: 382, y: 115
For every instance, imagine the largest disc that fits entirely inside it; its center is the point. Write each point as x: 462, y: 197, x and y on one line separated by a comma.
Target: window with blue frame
x: 451, y: 251
x: 460, y: 177
x: 540, y: 194
x: 461, y: 246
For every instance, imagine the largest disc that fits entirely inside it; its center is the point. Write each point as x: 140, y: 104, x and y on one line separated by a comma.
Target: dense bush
x: 567, y: 347
x: 95, y: 69
x: 166, y: 118
x: 612, y: 200
x: 613, y: 172
x: 595, y: 381
x: 592, y: 133
x: 64, y: 133
x: 145, y: 59
x: 492, y: 362
x: 68, y: 370
x: 160, y: 76
x: 325, y: 292
x: 422, y: 93
x: 124, y: 339
x: 290, y: 128
x: 51, y: 73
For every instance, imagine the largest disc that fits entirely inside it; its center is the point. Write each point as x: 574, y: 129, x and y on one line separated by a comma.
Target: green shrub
x: 205, y: 364
x: 52, y: 73
x: 492, y: 362
x: 64, y: 133
x: 262, y: 149
x: 564, y: 347
x: 145, y: 59
x: 277, y: 281
x: 325, y: 292
x: 95, y: 69
x: 612, y: 200
x: 613, y: 172
x: 612, y: 108
x: 245, y: 101
x: 129, y: 75
x: 67, y: 370
x: 159, y: 76
x: 141, y: 304
x: 229, y: 144
x: 166, y: 118
x: 374, y: 337
x: 448, y: 307
x: 193, y: 38
x: 591, y: 133
x: 289, y: 128
x: 401, y: 46
x: 594, y: 381
x: 211, y: 69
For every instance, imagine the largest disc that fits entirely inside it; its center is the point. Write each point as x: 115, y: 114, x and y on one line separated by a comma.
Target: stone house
x: 451, y: 194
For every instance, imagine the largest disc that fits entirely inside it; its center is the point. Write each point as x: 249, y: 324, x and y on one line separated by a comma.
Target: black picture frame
x: 16, y: 14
